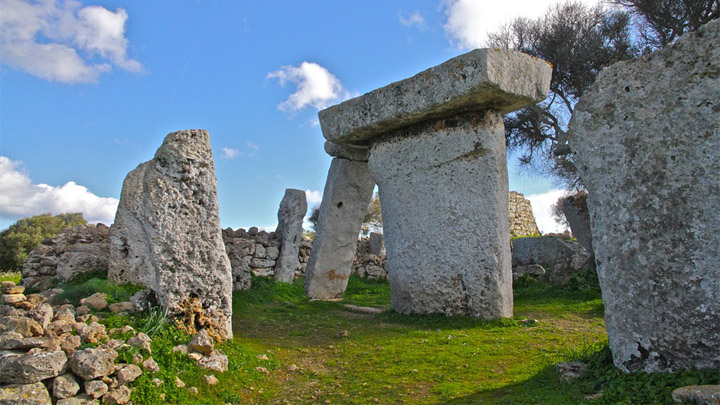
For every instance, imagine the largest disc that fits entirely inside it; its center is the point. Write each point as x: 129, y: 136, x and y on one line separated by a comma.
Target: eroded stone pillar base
x: 348, y: 191
x: 444, y: 190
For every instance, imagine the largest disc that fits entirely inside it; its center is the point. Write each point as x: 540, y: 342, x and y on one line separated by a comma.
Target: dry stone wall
x: 522, y: 220
x: 72, y: 252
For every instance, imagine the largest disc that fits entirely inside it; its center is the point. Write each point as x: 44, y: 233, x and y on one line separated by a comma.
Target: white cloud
x: 469, y: 21
x: 316, y: 86
x: 20, y: 198
x: 313, y: 197
x: 60, y: 41
x: 541, y: 204
x: 252, y: 146
x: 229, y: 153
x: 414, y: 19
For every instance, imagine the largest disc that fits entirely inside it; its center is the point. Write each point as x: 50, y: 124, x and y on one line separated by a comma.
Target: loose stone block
x: 167, y: 233
x: 448, y: 175
x: 347, y: 193
x: 646, y: 139
x: 437, y: 153
x: 290, y: 228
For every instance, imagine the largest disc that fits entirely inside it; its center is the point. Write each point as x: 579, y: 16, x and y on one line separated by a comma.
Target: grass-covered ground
x: 346, y: 357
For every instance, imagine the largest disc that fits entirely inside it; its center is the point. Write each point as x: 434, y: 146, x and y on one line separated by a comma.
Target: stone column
x: 347, y: 193
x: 646, y: 139
x: 437, y: 152
x: 293, y: 208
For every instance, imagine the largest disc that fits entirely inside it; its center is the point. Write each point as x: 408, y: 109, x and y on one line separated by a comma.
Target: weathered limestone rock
x: 21, y: 368
x: 92, y: 363
x: 167, y: 233
x: 376, y: 244
x: 697, y: 394
x: 128, y: 374
x: 646, y: 139
x: 202, y: 343
x: 576, y: 212
x: 65, y: 386
x: 437, y: 153
x: 290, y: 221
x: 35, y: 394
x: 560, y: 258
x: 347, y: 193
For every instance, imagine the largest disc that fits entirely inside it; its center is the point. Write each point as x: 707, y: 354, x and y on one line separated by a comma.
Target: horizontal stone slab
x: 501, y: 80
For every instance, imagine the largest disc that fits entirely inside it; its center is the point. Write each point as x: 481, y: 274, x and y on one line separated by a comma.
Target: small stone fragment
x: 93, y: 333
x: 70, y: 343
x: 150, y: 365
x: 570, y: 370
x: 97, y: 301
x: 128, y: 374
x: 211, y: 380
x: 699, y: 394
x: 65, y: 386
x: 95, y: 388
x: 141, y: 341
x: 156, y: 382
x: 202, y: 343
x: 182, y: 349
x: 292, y: 368
x: 125, y: 306
x: 82, y: 310
x: 179, y: 383
x: 137, y: 358
x: 65, y: 313
x: 262, y: 357
x: 42, y: 313
x: 195, y: 356
x: 262, y: 370
x: 121, y: 395
x: 193, y: 390
x: 216, y: 361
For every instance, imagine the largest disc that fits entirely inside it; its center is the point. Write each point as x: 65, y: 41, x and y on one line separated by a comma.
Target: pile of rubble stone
x: 41, y: 359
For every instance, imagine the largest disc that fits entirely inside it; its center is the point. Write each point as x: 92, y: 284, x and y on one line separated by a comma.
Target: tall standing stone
x: 646, y: 140
x: 347, y: 193
x: 167, y: 233
x: 577, y: 215
x: 293, y: 208
x: 437, y: 153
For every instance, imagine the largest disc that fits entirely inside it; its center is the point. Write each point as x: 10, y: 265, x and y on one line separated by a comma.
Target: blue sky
x: 89, y: 89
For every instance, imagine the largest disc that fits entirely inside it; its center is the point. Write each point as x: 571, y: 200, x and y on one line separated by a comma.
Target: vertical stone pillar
x: 444, y: 188
x: 347, y: 193
x: 437, y: 152
x: 646, y: 139
x: 293, y: 208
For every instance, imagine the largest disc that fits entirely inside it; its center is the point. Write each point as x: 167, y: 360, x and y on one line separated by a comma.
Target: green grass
x: 10, y: 276
x: 87, y: 284
x: 346, y: 357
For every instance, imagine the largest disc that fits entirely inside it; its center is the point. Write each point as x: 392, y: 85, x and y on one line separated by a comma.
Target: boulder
x: 97, y: 301
x: 646, y: 142
x: 202, y: 343
x: 120, y: 395
x: 35, y: 394
x: 167, y: 234
x: 128, y: 374
x: 93, y: 363
x: 697, y: 394
x: 65, y: 386
x: 290, y: 229
x: 560, y: 259
x: 22, y: 325
x: 21, y: 368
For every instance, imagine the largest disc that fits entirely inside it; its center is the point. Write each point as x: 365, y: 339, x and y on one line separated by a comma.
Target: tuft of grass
x: 90, y: 283
x: 13, y: 276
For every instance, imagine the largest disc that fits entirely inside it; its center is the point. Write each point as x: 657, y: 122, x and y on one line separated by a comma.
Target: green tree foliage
x: 579, y: 41
x: 20, y: 238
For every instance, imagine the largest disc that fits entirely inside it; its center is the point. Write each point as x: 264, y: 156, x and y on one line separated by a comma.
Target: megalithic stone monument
x: 347, y: 193
x: 646, y: 139
x: 293, y: 208
x: 167, y: 236
x: 437, y: 153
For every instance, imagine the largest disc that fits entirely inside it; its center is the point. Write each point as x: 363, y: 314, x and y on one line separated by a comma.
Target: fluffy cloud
x: 414, y: 19
x: 62, y: 41
x: 20, y: 198
x: 229, y: 153
x: 313, y: 197
x: 316, y: 86
x: 469, y: 21
x: 541, y: 204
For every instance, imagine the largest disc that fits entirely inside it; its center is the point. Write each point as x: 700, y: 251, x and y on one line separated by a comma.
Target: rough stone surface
x: 92, y: 363
x: 646, y: 139
x: 167, y: 233
x: 376, y: 244
x: 21, y: 368
x: 698, y: 394
x: 560, y: 258
x: 578, y: 217
x: 35, y: 394
x: 449, y: 175
x: 202, y: 343
x: 97, y: 301
x: 216, y: 361
x: 120, y: 395
x: 128, y: 374
x: 24, y: 326
x: 350, y: 152
x: 522, y: 220
x: 290, y: 229
x: 507, y: 80
x: 65, y: 386
x: 347, y: 193
x: 95, y: 388
x: 72, y: 252
x: 81, y: 399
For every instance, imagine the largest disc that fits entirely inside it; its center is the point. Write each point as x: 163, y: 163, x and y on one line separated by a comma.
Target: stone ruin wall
x: 522, y: 220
